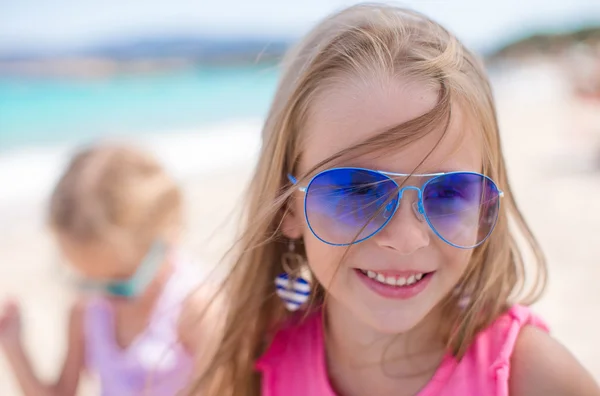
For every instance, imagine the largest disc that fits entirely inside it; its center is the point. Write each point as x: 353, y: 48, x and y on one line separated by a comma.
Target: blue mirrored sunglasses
x: 344, y: 206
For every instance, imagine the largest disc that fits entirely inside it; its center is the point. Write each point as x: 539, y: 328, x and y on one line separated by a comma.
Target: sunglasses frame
x: 390, y: 176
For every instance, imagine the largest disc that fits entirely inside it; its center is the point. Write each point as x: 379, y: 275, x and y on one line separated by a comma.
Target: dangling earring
x: 293, y: 285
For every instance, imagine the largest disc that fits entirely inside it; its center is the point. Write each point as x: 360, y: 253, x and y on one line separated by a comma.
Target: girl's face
x: 406, y: 246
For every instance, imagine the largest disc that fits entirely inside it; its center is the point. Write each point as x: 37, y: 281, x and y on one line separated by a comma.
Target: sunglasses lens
x: 462, y: 208
x: 345, y: 206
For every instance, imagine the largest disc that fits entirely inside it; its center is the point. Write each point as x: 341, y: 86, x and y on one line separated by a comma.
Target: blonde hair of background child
x: 118, y: 195
x: 381, y: 41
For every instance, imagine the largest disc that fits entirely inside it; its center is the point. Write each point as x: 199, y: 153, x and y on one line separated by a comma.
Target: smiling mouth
x: 398, y: 281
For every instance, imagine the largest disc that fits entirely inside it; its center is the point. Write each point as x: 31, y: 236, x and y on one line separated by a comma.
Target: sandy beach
x: 551, y: 143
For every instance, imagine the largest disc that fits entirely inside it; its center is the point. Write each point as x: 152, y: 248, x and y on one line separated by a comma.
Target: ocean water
x: 195, y: 121
x: 42, y: 111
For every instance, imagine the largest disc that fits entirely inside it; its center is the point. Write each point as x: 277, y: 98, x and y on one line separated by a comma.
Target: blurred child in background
x: 116, y: 216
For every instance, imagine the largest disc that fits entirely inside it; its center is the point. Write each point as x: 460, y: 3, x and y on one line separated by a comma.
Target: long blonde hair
x: 360, y: 40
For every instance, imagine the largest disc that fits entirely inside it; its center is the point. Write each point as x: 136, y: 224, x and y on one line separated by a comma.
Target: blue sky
x: 71, y: 23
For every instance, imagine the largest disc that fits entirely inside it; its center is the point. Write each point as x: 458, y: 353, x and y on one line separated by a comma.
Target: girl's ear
x: 292, y: 224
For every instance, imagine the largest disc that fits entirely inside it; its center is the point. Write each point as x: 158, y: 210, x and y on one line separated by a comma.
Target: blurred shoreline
x: 152, y: 55
x: 143, y: 56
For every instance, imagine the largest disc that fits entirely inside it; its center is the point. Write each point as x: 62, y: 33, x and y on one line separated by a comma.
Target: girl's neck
x: 361, y: 360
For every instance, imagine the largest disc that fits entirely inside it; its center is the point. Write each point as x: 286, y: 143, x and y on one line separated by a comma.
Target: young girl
x: 116, y: 216
x: 381, y: 175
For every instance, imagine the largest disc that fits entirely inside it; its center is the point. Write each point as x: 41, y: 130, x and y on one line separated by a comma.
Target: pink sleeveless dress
x: 155, y: 364
x: 294, y: 364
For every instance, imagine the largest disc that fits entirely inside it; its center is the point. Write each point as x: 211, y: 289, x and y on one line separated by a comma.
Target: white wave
x: 29, y: 173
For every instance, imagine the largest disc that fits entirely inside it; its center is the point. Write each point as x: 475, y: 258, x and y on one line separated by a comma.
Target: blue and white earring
x: 294, y: 285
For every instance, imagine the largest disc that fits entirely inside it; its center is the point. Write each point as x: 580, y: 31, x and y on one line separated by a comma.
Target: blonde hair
x: 115, y: 194
x: 380, y: 41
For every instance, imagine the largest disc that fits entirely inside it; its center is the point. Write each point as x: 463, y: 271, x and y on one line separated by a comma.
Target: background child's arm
x: 540, y: 365
x: 10, y: 338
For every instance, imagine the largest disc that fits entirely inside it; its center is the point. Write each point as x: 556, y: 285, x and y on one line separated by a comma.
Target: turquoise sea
x: 38, y: 111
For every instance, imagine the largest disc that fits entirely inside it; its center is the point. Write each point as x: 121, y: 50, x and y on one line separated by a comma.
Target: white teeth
x: 392, y: 280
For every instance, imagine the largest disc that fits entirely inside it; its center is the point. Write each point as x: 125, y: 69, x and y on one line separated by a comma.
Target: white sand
x: 549, y: 142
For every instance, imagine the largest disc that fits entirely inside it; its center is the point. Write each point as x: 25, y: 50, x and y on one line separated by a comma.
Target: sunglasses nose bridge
x: 416, y: 205
x: 401, y: 191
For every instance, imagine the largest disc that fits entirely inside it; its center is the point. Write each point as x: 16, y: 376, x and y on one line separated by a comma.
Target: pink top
x: 155, y: 364
x: 294, y: 364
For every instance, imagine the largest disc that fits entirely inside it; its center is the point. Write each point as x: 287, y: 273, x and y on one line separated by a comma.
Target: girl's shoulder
x: 497, y: 342
x: 486, y: 365
x: 540, y: 365
x: 516, y: 355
